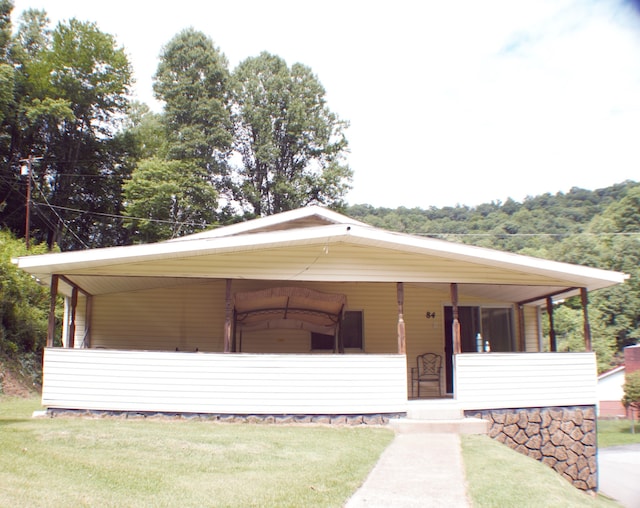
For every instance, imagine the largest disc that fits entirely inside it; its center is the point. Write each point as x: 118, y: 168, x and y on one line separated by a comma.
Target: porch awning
x: 289, y: 307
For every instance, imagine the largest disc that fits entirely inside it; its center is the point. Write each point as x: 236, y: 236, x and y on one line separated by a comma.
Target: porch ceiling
x: 470, y: 293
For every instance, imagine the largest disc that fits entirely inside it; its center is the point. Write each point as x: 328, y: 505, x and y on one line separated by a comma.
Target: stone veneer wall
x: 564, y: 438
x: 352, y: 419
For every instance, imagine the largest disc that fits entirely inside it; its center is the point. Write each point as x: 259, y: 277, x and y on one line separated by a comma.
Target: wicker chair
x: 427, y: 371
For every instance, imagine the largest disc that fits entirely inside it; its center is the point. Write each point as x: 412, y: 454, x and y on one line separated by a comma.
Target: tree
x: 568, y: 325
x: 7, y: 73
x: 290, y: 143
x: 6, y: 6
x: 631, y: 397
x: 146, y: 132
x: 617, y: 247
x: 166, y: 199
x: 175, y: 188
x: 24, y: 304
x: 193, y: 82
x: 70, y: 87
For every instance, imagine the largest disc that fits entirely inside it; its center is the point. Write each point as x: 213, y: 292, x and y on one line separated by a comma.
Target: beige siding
x: 80, y: 331
x: 81, y: 324
x: 531, y: 329
x: 274, y: 341
x: 513, y: 380
x: 190, y: 317
x: 184, y: 318
x: 223, y: 383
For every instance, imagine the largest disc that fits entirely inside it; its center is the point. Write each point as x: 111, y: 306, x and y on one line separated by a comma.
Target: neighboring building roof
x: 315, y: 244
x: 611, y: 372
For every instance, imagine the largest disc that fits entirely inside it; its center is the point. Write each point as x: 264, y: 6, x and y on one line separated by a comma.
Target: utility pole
x: 29, y: 172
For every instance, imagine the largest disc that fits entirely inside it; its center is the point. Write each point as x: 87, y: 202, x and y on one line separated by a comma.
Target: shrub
x: 24, y: 304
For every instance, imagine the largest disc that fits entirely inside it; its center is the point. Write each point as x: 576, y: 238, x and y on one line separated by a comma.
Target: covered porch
x: 163, y: 326
x: 270, y: 317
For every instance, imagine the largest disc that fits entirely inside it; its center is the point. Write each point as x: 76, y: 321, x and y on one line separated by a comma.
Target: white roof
x: 315, y: 244
x: 617, y: 370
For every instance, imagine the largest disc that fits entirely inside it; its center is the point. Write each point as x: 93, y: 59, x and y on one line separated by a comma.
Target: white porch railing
x: 159, y: 381
x: 520, y: 380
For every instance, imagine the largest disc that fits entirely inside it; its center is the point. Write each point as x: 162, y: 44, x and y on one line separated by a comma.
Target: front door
x: 469, y: 318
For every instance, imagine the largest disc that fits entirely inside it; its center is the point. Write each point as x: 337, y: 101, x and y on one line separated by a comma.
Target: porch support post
x: 228, y: 317
x: 71, y: 342
x: 339, y: 336
x: 457, y: 349
x: 71, y: 317
x: 522, y: 342
x: 51, y: 330
x: 553, y: 347
x: 402, y: 340
x: 587, y: 328
x: 87, y: 321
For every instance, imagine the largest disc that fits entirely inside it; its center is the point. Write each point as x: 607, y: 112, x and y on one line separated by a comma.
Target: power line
x: 488, y: 235
x: 87, y: 175
x: 115, y: 216
x: 64, y: 223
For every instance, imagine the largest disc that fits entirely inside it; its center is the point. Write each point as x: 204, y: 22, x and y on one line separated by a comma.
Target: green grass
x: 498, y: 477
x: 617, y: 432
x: 117, y: 462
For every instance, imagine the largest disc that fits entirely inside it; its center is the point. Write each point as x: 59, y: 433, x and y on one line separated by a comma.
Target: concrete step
x: 454, y: 426
x: 434, y: 410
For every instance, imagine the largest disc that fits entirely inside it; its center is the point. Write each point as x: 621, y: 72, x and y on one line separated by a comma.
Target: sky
x: 449, y: 102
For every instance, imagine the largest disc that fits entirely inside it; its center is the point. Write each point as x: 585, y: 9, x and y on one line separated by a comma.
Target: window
x: 352, y: 333
x: 322, y: 342
x: 352, y: 329
x: 495, y: 325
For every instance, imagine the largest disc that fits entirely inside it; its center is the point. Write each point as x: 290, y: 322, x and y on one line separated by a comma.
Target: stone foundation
x: 564, y: 438
x: 366, y: 419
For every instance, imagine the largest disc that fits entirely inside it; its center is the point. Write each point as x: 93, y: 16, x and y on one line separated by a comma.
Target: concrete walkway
x: 416, y: 469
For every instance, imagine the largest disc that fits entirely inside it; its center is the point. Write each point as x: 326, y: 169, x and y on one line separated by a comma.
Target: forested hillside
x: 598, y: 228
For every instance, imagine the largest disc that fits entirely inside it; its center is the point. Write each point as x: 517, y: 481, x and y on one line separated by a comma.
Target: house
x: 611, y: 386
x: 309, y: 312
x: 610, y: 391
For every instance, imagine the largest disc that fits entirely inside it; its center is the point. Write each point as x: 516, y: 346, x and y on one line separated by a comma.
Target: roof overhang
x: 338, y: 252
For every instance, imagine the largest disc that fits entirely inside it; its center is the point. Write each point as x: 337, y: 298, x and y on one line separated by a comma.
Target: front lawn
x: 166, y: 462
x: 118, y: 462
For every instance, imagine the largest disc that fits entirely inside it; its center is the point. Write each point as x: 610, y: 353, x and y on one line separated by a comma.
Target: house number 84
x: 430, y: 315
